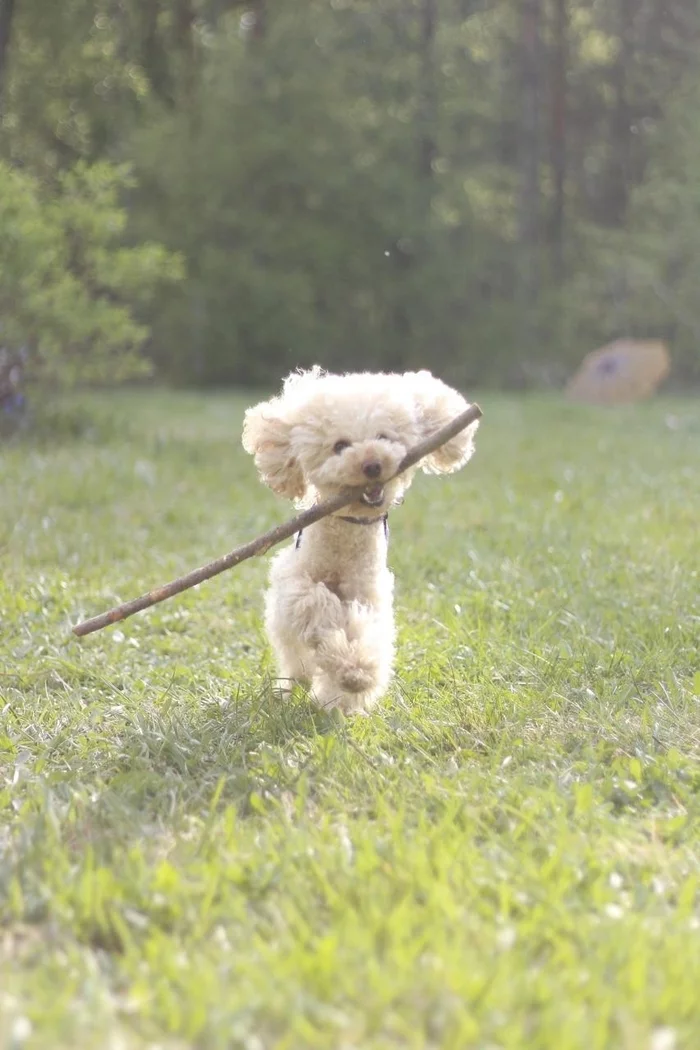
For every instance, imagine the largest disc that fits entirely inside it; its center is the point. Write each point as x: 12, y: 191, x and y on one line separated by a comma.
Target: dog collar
x: 363, y: 521
x: 354, y: 521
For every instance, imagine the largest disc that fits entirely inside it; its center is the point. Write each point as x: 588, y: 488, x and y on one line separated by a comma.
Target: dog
x: 329, y: 607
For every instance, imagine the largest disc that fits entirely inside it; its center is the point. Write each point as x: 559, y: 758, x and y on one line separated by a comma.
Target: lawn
x: 506, y: 855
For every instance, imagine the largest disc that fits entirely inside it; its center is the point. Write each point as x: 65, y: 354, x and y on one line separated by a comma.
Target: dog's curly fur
x: 329, y: 609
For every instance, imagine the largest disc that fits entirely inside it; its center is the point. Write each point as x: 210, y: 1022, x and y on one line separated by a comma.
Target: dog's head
x: 326, y: 432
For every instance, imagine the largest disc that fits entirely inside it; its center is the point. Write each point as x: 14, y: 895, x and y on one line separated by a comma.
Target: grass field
x: 506, y: 855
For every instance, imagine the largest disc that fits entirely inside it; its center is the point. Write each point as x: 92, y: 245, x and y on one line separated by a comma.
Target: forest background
x: 221, y: 191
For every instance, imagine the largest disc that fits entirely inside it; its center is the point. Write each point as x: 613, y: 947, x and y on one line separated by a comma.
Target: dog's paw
x: 353, y: 667
x: 330, y: 694
x: 357, y: 679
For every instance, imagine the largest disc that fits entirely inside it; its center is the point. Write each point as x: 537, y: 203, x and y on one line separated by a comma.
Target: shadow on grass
x: 121, y: 772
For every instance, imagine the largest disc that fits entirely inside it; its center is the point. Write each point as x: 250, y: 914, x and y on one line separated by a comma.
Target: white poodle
x: 329, y: 609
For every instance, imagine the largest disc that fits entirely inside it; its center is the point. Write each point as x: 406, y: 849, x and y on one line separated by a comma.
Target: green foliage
x: 484, y: 186
x: 313, y: 232
x: 505, y: 854
x: 310, y: 230
x: 71, y: 89
x: 69, y: 287
x: 645, y: 278
x: 303, y: 235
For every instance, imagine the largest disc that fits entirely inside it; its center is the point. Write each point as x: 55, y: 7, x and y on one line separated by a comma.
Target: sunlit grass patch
x: 504, y: 855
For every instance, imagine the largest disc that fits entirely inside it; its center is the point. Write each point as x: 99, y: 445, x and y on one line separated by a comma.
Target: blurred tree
x: 529, y: 164
x: 7, y: 9
x: 558, y: 104
x: 374, y: 183
x: 67, y: 287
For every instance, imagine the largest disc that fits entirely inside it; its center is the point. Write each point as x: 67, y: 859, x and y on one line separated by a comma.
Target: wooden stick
x: 273, y: 536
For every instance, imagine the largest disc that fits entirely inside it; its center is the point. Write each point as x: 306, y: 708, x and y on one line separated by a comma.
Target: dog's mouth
x: 373, y: 496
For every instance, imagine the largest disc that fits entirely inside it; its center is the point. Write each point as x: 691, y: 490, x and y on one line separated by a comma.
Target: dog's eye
x: 383, y: 437
x: 340, y: 446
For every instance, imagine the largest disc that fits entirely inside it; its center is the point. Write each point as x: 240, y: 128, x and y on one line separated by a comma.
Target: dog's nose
x: 372, y: 469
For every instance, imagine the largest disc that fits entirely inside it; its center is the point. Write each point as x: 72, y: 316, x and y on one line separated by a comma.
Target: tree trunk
x: 619, y: 176
x: 427, y: 150
x: 7, y: 10
x: 529, y: 159
x: 254, y: 20
x: 411, y: 255
x: 183, y: 27
x: 558, y: 157
x: 260, y: 20
x: 153, y: 54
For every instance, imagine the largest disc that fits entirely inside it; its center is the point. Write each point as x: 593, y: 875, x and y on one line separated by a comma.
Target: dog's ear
x: 436, y: 405
x: 267, y: 436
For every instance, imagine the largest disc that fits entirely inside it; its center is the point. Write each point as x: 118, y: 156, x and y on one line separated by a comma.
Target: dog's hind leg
x: 299, y: 612
x: 294, y: 661
x: 291, y: 668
